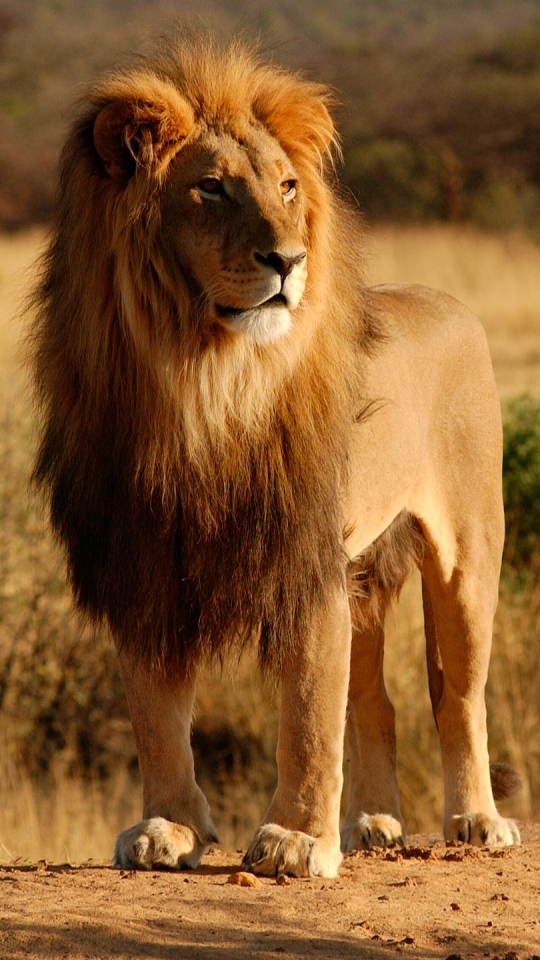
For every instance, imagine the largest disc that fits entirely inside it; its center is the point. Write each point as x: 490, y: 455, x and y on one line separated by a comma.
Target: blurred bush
x: 515, y: 53
x: 399, y: 178
x: 521, y: 486
x: 60, y: 692
x: 513, y: 692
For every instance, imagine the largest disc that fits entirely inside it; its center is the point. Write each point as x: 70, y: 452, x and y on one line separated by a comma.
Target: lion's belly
x: 386, y: 466
x: 374, y: 501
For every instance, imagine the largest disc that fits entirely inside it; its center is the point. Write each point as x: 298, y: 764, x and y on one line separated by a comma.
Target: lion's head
x: 233, y: 215
x: 220, y: 160
x: 199, y: 324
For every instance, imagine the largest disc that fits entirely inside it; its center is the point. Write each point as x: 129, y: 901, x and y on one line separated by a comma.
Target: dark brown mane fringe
x: 188, y: 524
x: 188, y: 585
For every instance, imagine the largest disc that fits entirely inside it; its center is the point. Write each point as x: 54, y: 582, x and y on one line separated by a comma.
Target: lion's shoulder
x: 416, y: 311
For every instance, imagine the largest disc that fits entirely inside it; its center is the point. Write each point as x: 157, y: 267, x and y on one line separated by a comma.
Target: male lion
x: 238, y: 437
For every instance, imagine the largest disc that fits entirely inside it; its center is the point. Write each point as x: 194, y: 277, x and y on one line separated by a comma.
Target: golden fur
x: 236, y: 435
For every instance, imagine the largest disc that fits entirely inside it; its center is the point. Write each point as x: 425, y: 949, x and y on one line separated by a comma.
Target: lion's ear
x: 141, y: 128
x: 300, y: 119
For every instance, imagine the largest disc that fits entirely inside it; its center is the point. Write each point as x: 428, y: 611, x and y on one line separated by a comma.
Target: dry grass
x: 496, y: 275
x: 60, y: 814
x: 62, y: 818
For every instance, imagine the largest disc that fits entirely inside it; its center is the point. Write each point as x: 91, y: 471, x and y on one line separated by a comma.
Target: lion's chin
x: 262, y: 325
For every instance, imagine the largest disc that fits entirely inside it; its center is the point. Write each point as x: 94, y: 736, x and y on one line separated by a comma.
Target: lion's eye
x: 211, y: 187
x: 288, y: 189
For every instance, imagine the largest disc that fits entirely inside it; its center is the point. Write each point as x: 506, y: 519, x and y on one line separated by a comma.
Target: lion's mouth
x: 279, y: 300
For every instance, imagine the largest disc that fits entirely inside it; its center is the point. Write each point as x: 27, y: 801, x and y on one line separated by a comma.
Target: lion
x: 243, y: 443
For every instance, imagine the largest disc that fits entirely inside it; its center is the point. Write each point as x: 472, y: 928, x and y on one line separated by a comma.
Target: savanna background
x: 441, y: 135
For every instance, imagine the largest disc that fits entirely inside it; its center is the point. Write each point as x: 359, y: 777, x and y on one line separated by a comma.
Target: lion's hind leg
x: 176, y: 829
x: 458, y: 618
x: 373, y: 817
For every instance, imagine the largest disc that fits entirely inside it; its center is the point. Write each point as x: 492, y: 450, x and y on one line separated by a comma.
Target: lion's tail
x: 505, y: 781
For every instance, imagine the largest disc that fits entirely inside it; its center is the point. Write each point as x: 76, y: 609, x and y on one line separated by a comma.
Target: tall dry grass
x: 68, y: 777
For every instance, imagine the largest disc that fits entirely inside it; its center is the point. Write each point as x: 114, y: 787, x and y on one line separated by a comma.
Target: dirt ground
x: 426, y: 902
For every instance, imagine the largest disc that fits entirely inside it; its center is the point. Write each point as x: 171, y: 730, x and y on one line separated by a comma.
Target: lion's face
x: 230, y: 190
x: 232, y: 218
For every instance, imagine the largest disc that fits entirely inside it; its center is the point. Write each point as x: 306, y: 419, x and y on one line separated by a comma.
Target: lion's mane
x: 194, y: 480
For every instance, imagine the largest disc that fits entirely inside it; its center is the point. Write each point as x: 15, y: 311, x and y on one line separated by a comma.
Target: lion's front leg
x: 300, y: 833
x: 176, y: 827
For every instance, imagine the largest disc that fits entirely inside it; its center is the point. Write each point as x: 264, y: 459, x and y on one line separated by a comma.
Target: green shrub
x: 521, y: 486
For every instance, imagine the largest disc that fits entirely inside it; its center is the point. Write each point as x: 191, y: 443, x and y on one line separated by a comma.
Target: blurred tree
x: 442, y: 101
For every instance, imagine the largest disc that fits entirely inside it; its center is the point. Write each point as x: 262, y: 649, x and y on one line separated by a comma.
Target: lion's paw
x: 275, y: 851
x: 483, y: 830
x: 366, y: 832
x: 158, y: 844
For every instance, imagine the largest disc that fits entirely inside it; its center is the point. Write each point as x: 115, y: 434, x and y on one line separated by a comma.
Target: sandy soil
x: 429, y: 901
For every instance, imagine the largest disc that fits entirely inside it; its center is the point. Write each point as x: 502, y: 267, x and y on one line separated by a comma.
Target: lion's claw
x: 366, y: 832
x: 275, y: 850
x: 158, y: 844
x: 483, y: 830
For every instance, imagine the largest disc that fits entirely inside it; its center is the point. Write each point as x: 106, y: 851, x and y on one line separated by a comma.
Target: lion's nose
x: 279, y: 262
